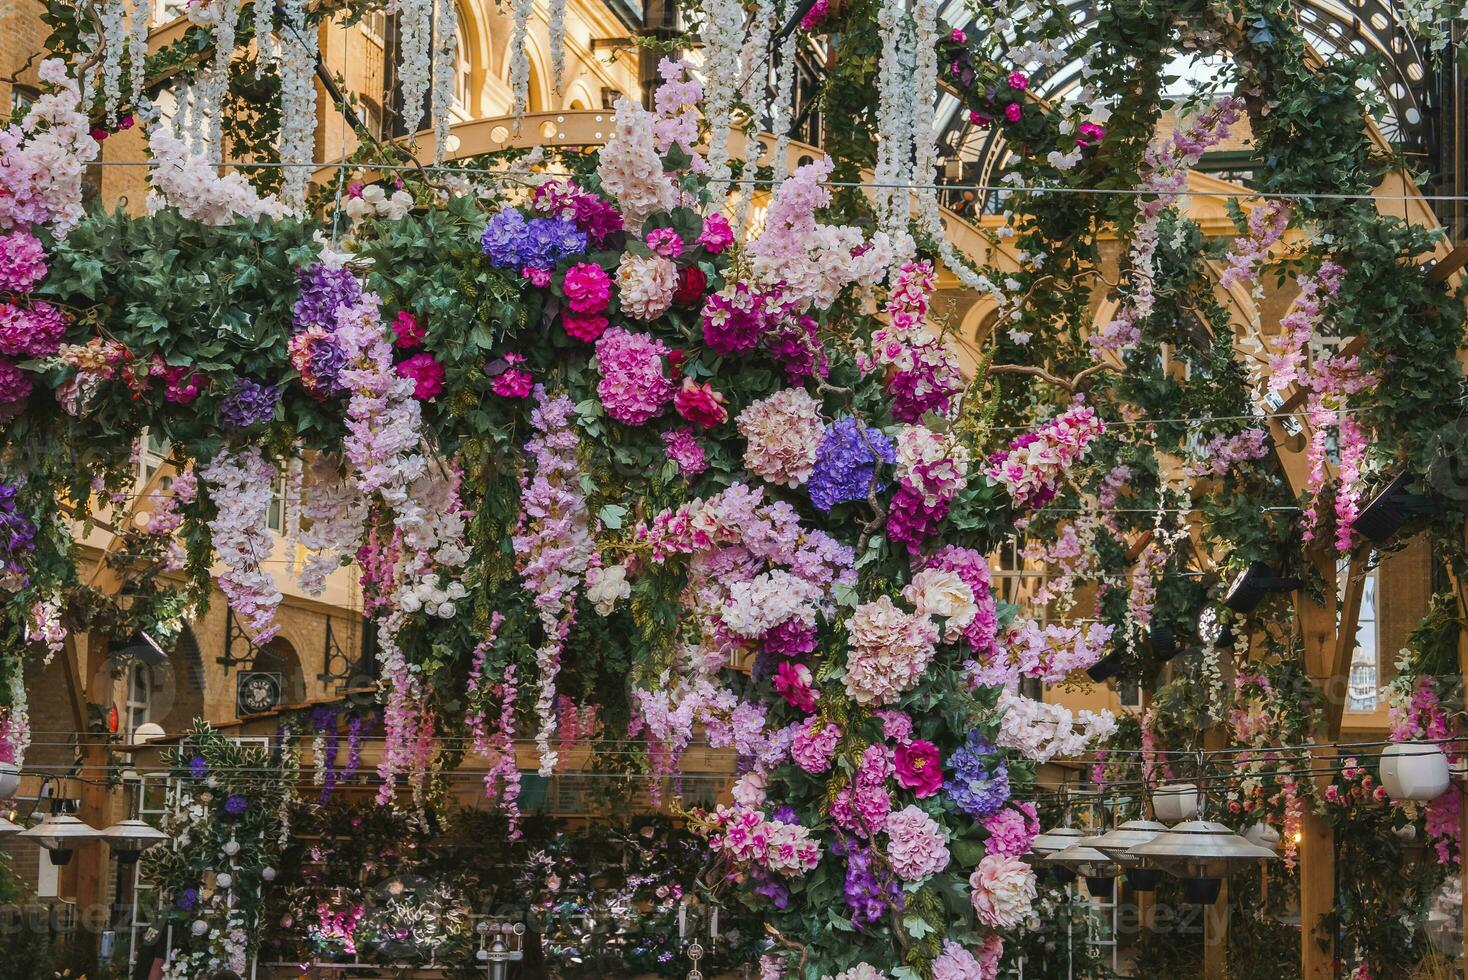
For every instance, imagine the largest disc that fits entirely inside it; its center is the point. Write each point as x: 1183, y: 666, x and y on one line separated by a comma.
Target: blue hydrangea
x: 845, y: 460
x: 504, y: 238
x: 980, y: 783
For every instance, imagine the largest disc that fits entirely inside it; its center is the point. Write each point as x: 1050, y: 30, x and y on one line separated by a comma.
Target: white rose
x: 232, y: 847
x: 410, y: 602
x: 224, y: 879
x: 446, y: 610
x: 398, y: 206
x: 607, y: 587
x: 938, y: 593
x: 199, y: 927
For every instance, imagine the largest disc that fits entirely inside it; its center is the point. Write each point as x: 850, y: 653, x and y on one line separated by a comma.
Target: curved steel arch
x: 1405, y: 80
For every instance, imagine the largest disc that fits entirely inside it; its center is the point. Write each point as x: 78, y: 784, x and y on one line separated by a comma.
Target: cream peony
x: 934, y: 592
x: 645, y: 285
x: 889, y: 651
x: 1003, y: 890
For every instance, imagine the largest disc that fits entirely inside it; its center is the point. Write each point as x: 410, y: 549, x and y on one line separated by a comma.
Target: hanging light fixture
x: 1051, y: 842
x: 1392, y: 508
x: 61, y: 833
x: 130, y: 838
x: 1118, y: 842
x: 1097, y: 867
x: 1250, y: 586
x: 1201, y: 853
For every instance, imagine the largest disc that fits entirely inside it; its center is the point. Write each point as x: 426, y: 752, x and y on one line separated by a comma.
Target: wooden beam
x: 1317, y: 623
x: 1444, y: 268
x: 1339, y: 668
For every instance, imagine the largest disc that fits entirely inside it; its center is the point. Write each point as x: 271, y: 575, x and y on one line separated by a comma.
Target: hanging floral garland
x: 520, y: 59
x: 415, y: 38
x: 723, y: 33
x: 297, y: 62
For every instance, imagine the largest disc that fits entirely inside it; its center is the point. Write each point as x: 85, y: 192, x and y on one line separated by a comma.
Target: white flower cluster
x: 374, y: 202
x: 298, y: 53
x: 137, y: 50
x: 783, y: 108
x: 445, y: 65
x: 723, y: 31
x: 557, y: 43
x: 415, y: 25
x: 754, y: 76
x: 1041, y: 731
x: 770, y: 599
x: 114, y: 39
x: 336, y: 514
x: 896, y: 116
x: 520, y: 59
x: 240, y: 487
x: 630, y: 169
x: 190, y: 184
x: 215, y: 85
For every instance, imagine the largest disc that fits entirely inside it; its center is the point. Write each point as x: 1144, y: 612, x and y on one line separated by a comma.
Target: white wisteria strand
x: 723, y: 33
x: 754, y: 76
x: 445, y: 65
x: 216, y: 77
x: 266, y: 48
x: 520, y: 59
x: 137, y: 50
x: 114, y: 44
x: 896, y: 101
x: 782, y: 109
x: 557, y: 43
x: 415, y: 30
x: 298, y: 52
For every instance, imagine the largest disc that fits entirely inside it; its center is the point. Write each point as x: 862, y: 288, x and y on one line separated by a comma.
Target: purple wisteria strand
x: 1164, y: 179
x: 240, y: 486
x: 555, y: 547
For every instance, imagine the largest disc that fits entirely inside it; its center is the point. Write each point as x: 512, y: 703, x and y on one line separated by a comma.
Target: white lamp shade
x: 61, y: 832
x: 147, y: 732
x: 9, y: 779
x: 133, y: 835
x: 1414, y: 771
x: 1175, y: 802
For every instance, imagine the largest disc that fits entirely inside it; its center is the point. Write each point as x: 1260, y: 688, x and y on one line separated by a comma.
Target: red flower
x: 700, y: 404
x: 919, y: 767
x: 691, y: 285
x: 675, y: 358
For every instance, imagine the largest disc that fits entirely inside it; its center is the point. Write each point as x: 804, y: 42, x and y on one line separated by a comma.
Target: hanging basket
x: 1175, y: 802
x: 1143, y: 879
x: 1201, y: 891
x: 1414, y: 771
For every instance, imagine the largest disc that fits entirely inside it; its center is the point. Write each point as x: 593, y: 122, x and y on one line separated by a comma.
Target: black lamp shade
x: 1251, y: 585
x: 1143, y: 879
x: 1164, y: 642
x: 1201, y: 891
x: 1100, y: 887
x: 1392, y: 508
x: 1106, y: 668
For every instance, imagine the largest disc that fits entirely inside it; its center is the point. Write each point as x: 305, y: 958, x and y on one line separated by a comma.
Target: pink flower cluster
x: 684, y: 450
x: 782, y: 434
x: 240, y: 487
x: 1054, y: 651
x: 1033, y: 466
x: 931, y: 471
x: 633, y: 388
x: 814, y: 744
x: 1267, y: 224
x: 31, y: 331
x: 1223, y: 451
x: 957, y: 963
x: 1012, y: 829
x: 916, y: 844
x: 922, y: 374
x: 748, y: 837
x: 862, y: 806
x: 22, y: 261
x: 889, y: 651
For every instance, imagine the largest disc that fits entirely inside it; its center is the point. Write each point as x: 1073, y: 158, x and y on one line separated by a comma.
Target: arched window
x: 463, y: 74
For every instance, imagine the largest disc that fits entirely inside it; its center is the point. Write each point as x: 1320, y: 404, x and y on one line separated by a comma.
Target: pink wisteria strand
x: 240, y: 487
x: 502, y: 774
x: 555, y: 548
x: 1163, y: 180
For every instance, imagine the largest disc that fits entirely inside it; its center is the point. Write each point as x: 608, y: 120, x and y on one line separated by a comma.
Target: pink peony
x: 919, y: 768
x: 588, y: 289
x: 957, y: 36
x: 22, y: 261
x: 683, y: 449
x: 814, y: 744
x: 587, y: 327
x: 717, y: 234
x: 1003, y: 890
x: 408, y: 333
x: 633, y: 387
x: 1014, y: 112
x: 1018, y: 81
x: 513, y: 381
x: 700, y: 404
x: 957, y: 963
x: 426, y: 374
x: 665, y: 242
x: 915, y: 844
x: 646, y: 285
x: 793, y: 683
x: 889, y: 651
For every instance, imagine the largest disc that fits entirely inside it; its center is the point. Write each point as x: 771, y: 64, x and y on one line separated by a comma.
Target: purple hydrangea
x: 198, y: 767
x: 845, y: 461
x: 980, y: 783
x: 235, y: 804
x: 249, y: 403
x: 324, y: 289
x: 326, y: 360
x: 548, y: 240
x: 771, y: 888
x: 17, y: 531
x: 187, y: 899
